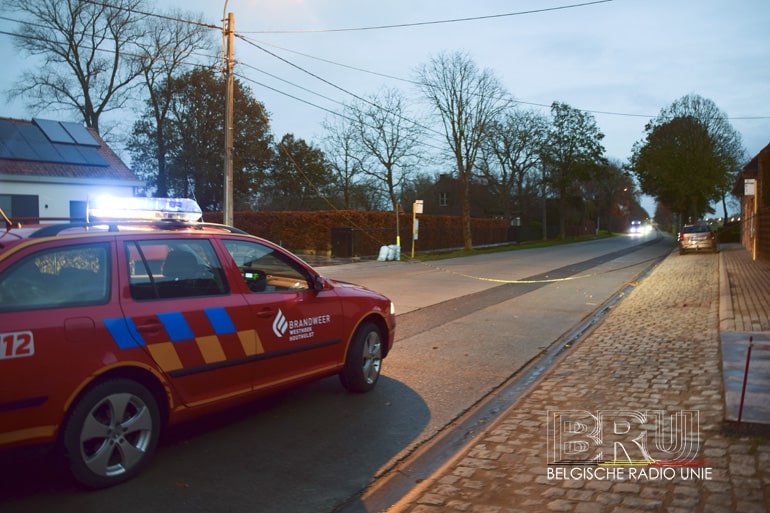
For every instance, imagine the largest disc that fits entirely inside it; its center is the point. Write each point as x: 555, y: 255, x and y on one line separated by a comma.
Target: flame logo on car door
x: 280, y: 324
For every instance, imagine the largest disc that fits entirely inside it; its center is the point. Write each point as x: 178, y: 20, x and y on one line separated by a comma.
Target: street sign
x: 749, y: 184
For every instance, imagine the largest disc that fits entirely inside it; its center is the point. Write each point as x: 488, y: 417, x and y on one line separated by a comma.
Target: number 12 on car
x: 16, y: 345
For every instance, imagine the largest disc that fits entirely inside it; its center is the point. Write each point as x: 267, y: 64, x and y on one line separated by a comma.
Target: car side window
x: 170, y: 268
x: 58, y: 278
x: 266, y: 270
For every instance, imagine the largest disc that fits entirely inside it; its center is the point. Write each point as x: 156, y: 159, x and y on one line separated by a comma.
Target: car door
x: 301, y: 330
x: 53, y: 298
x: 180, y: 307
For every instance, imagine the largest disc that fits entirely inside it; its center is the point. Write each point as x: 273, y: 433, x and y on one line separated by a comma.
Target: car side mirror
x: 320, y: 284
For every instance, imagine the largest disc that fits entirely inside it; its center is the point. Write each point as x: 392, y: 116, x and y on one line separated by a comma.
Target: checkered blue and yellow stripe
x: 192, y: 339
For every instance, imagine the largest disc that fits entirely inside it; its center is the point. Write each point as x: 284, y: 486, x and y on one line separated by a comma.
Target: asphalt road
x: 466, y: 326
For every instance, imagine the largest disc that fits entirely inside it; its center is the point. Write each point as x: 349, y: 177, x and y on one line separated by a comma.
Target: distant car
x: 639, y: 228
x: 697, y: 237
x: 114, y: 328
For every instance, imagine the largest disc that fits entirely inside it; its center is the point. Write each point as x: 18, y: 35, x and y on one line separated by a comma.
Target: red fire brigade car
x: 142, y: 316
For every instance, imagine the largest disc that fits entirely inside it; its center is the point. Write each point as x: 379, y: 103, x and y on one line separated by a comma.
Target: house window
x: 443, y: 199
x: 20, y: 206
x: 78, y: 210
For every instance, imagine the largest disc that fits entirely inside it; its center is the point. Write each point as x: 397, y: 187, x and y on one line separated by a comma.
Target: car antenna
x: 8, y: 222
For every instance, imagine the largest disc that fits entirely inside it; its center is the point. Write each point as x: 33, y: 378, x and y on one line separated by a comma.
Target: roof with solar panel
x: 47, y: 148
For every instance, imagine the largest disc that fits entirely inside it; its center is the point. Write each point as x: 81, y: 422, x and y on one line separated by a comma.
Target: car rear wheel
x: 112, y: 433
x: 364, y: 360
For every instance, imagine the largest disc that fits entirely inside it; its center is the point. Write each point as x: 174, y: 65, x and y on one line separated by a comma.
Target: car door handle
x: 266, y: 312
x: 150, y: 328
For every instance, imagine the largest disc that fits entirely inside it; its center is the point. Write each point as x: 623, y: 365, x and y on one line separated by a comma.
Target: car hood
x: 346, y: 285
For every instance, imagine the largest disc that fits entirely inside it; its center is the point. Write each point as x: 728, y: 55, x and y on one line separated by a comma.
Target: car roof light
x: 110, y: 208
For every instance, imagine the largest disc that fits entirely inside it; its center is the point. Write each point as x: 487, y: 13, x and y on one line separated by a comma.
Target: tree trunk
x: 467, y: 240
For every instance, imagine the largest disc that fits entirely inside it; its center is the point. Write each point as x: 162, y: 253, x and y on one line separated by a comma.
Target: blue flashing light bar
x: 111, y: 208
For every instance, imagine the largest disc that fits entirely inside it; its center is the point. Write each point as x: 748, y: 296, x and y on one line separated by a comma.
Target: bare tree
x: 466, y: 100
x: 511, y: 154
x: 167, y: 46
x: 339, y: 147
x: 387, y: 142
x: 87, y: 50
x: 613, y: 193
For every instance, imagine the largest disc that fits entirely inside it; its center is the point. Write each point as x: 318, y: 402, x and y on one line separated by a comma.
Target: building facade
x: 49, y: 170
x: 753, y: 188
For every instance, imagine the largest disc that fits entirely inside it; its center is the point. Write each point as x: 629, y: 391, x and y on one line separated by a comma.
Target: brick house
x: 753, y: 188
x: 445, y: 198
x: 49, y: 169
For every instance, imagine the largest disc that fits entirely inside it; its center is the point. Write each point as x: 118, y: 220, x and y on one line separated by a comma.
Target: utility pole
x: 416, y: 209
x: 228, y: 192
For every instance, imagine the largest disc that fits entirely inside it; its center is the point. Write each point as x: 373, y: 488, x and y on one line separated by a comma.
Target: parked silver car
x: 697, y: 237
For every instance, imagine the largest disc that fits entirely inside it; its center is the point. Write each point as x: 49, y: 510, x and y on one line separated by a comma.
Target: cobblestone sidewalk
x: 658, y: 350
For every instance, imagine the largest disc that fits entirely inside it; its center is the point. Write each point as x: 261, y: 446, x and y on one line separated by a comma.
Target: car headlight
x: 392, y: 308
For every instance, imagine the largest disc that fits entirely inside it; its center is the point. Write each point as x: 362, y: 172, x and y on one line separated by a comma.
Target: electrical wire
x: 515, y: 100
x: 425, y: 23
x: 354, y: 68
x: 317, y: 77
x: 307, y: 102
x: 456, y: 20
x: 326, y: 200
x: 153, y: 15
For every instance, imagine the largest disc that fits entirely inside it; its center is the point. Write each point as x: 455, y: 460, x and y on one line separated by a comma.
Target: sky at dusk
x: 621, y: 60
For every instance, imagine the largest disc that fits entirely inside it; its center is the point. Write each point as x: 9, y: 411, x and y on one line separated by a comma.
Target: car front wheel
x: 112, y: 433
x: 364, y: 360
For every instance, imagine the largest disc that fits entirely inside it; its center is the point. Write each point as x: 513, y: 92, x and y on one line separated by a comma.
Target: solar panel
x: 69, y: 154
x: 5, y: 151
x: 32, y: 142
x: 93, y: 157
x: 79, y: 133
x: 7, y: 130
x: 8, y: 135
x: 31, y: 134
x: 21, y: 150
x: 44, y: 152
x: 53, y: 130
x: 19, y: 143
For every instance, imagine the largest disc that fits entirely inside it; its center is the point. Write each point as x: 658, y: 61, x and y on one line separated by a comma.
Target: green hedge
x: 730, y: 232
x: 357, y: 233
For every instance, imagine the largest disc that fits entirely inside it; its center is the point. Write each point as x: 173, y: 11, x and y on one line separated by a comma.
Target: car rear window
x: 58, y: 278
x: 696, y: 229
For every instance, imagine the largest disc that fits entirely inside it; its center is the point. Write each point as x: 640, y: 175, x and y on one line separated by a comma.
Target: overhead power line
x: 307, y: 102
x: 154, y: 15
x: 515, y: 100
x: 434, y: 22
x: 335, y: 63
x: 358, y: 97
x: 354, y: 68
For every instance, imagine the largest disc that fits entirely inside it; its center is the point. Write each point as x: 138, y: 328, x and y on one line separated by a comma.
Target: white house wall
x: 54, y: 198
